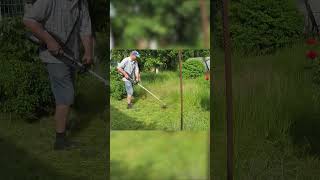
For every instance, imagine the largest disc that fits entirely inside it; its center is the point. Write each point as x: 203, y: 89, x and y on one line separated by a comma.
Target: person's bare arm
x: 86, y: 33
x: 33, y: 20
x: 125, y: 74
x: 137, y: 72
x: 37, y: 29
x: 87, y: 42
x: 138, y: 77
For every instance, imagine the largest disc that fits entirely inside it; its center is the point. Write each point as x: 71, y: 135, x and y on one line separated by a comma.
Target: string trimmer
x: 69, y: 60
x: 163, y: 105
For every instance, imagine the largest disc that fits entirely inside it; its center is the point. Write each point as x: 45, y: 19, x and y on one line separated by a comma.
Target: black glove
x: 134, y: 82
x: 84, y: 68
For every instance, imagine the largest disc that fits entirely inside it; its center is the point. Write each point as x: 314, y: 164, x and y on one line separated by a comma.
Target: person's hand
x: 54, y: 47
x: 138, y: 79
x: 126, y: 76
x: 87, y: 59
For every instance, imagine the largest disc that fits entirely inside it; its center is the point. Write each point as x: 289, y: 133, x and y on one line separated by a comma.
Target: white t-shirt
x: 130, y: 67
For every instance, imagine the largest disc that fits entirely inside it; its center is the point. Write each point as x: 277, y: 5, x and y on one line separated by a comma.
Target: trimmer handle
x: 132, y: 81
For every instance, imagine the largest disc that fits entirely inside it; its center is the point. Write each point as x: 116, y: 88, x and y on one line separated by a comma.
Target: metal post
x: 181, y: 91
x: 228, y: 79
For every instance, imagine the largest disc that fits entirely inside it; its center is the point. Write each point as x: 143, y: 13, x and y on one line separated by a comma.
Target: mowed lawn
x: 27, y: 148
x: 276, y: 114
x: 158, y: 155
x: 147, y: 113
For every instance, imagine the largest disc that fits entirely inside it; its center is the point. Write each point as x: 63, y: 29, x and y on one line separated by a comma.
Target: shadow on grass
x: 18, y: 164
x: 124, y: 122
x: 205, y: 103
x: 305, y: 132
x: 90, y: 102
x: 139, y: 94
x: 120, y: 171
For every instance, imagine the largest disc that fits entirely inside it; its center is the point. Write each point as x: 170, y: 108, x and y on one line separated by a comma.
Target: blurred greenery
x: 158, y: 155
x: 170, y: 22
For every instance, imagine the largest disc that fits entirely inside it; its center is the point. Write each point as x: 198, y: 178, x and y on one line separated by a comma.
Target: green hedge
x: 261, y: 27
x: 24, y: 87
x: 192, y: 69
x: 168, y: 58
x: 117, y: 89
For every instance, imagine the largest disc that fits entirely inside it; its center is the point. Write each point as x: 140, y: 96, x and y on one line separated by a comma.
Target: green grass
x: 27, y: 148
x: 158, y: 155
x: 276, y: 116
x: 147, y: 112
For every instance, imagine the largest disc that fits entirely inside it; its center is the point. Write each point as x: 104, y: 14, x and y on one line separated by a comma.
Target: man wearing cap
x: 129, y: 68
x: 61, y: 26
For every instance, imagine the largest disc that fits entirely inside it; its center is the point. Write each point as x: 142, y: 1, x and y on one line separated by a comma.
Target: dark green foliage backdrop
x: 99, y: 14
x: 24, y: 87
x: 262, y: 27
x: 170, y: 58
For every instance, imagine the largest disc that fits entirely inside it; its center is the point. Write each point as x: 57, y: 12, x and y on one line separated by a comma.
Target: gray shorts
x: 62, y: 83
x: 129, y: 88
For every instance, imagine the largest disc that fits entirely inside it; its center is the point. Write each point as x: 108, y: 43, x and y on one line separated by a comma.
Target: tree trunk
x: 205, y: 23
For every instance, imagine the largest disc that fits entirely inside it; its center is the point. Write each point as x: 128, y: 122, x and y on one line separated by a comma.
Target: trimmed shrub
x: 262, y: 27
x: 192, y: 69
x: 117, y: 89
x: 24, y: 87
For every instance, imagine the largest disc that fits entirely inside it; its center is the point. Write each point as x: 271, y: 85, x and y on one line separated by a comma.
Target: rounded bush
x: 262, y: 27
x: 192, y: 69
x: 117, y: 88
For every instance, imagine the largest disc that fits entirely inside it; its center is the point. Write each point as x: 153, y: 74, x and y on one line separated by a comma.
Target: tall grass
x: 147, y: 111
x: 196, y: 97
x: 273, y: 95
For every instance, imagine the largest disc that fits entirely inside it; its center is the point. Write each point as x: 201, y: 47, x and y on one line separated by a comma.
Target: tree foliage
x: 168, y: 21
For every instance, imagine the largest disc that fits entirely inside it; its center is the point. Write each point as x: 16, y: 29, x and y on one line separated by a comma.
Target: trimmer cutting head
x: 164, y: 106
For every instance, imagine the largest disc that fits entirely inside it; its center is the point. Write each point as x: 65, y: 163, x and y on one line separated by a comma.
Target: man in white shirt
x: 129, y: 68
